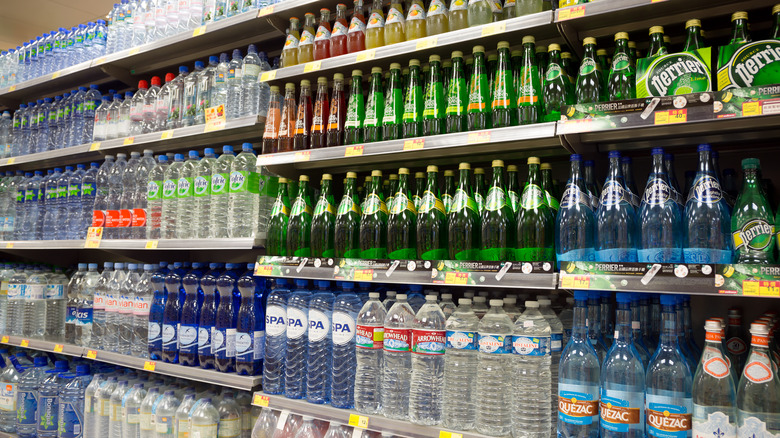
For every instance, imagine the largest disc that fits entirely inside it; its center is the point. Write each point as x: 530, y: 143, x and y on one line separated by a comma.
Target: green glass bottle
x: 693, y: 38
x: 402, y: 222
x: 375, y: 108
x: 776, y: 22
x: 391, y: 191
x: 463, y: 221
x: 541, y: 60
x: 373, y: 223
x: 603, y: 59
x: 386, y: 190
x: 457, y: 95
x: 548, y: 185
x: 446, y: 74
x: 356, y: 111
x: 479, y: 188
x: 449, y: 190
x: 413, y: 102
x: 394, y: 104
x: 752, y: 222
x: 292, y: 189
x: 739, y: 28
x: 529, y: 93
x: 347, y: 228
x: 498, y: 220
x: 535, y: 220
x: 432, y: 221
x: 425, y: 75
x: 405, y: 82
x: 435, y: 104
x: 569, y: 68
x: 492, y: 66
x: 503, y: 94
x: 621, y: 84
x: 512, y: 188
x: 299, y: 227
x: 419, y: 186
x: 588, y: 88
x: 668, y: 44
x: 657, y: 47
x: 478, y: 110
x: 469, y: 67
x: 557, y: 86
x: 276, y: 238
x: 517, y: 62
x: 323, y: 221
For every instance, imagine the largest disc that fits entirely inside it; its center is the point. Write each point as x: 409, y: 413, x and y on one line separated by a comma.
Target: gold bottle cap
x: 352, y: 175
x: 621, y: 36
x: 403, y: 171
x: 478, y: 49
x: 478, y: 170
x: 667, y: 39
x: 274, y: 88
x: 697, y: 22
x: 517, y: 53
x: 395, y: 66
x: 413, y: 62
x: 775, y: 9
x: 546, y: 166
x: 376, y: 173
x: 405, y: 71
x: 322, y: 80
x: 469, y: 60
x: 511, y: 168
x: 327, y: 177
x: 419, y: 174
x: 740, y: 15
x: 393, y: 176
x: 368, y: 178
x: 456, y: 54
x: 540, y: 49
x: 432, y: 168
x: 282, y: 180
x: 289, y: 86
x: 338, y: 77
x: 375, y: 70
x: 357, y: 73
x: 656, y: 29
x: 449, y: 173
x: 446, y: 63
x: 498, y: 163
x: 493, y: 57
x: 601, y: 52
x: 464, y: 166
x: 505, y: 44
x: 589, y: 40
x: 305, y: 83
x: 565, y: 55
x: 533, y: 160
x: 553, y: 46
x: 434, y: 58
x: 529, y: 39
x: 426, y: 67
x: 303, y: 178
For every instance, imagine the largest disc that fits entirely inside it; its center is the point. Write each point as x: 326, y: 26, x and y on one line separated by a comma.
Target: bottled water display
x: 532, y: 370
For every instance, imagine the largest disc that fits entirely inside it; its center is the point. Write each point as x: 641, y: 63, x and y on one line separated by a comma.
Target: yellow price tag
x: 128, y: 141
x: 9, y: 245
x: 575, y: 281
x: 4, y: 340
x: 769, y: 288
x: 55, y: 75
x: 268, y: 76
x: 268, y: 10
x: 366, y: 55
x: 94, y: 146
x: 152, y: 244
x: 354, y: 151
x: 478, y: 137
x: 358, y: 421
x: 410, y: 145
x: 750, y: 287
x: 11, y: 160
x: 215, y: 118
x: 264, y: 270
x: 91, y: 354
x: 166, y: 134
x: 149, y: 365
x: 24, y: 343
x: 448, y: 434
x: 494, y: 28
x: 94, y: 235
x: 456, y: 278
x: 302, y: 156
x: 12, y: 88
x: 751, y: 108
x: 133, y: 51
x: 260, y: 400
x: 571, y: 13
x: 312, y: 66
x: 671, y: 116
x: 58, y: 348
x: 427, y: 43
x: 200, y: 30
x: 363, y: 275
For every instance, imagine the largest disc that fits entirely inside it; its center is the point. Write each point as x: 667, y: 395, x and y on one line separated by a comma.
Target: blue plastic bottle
x: 575, y: 226
x: 320, y: 344
x: 190, y: 315
x: 297, y: 340
x: 71, y: 403
x: 615, y: 218
x: 172, y: 313
x: 594, y: 324
x: 660, y: 218
x: 224, y: 334
x: 250, y: 328
x: 208, y: 315
x: 707, y: 220
x: 690, y: 357
x: 27, y: 398
x: 345, y: 311
x: 156, y: 311
x: 579, y: 379
x: 48, y: 400
x: 636, y: 329
x: 668, y: 382
x: 275, y: 338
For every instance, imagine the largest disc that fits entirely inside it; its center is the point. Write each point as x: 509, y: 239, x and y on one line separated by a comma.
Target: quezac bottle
x: 660, y: 218
x: 575, y: 228
x: 346, y: 238
x: 535, y: 222
x: 431, y: 221
x: 463, y: 222
x: 498, y: 220
x: 615, y: 218
x: 299, y: 227
x: 752, y: 224
x: 402, y: 222
x: 323, y: 221
x: 277, y: 222
x: 373, y: 223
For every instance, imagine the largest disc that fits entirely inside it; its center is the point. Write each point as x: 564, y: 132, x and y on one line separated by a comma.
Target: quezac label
x: 578, y: 404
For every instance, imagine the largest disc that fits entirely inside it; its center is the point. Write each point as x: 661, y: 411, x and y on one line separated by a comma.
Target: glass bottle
x: 419, y: 186
x: 434, y: 104
x: 402, y: 221
x: 319, y: 127
x: 660, y: 218
x: 549, y: 187
x: 302, y: 138
x: 478, y: 112
x: 395, y: 25
x: 512, y: 190
x: 463, y: 221
x: 413, y: 102
x: 306, y: 44
x: 289, y: 55
x: 338, y: 113
x: 288, y: 117
x: 338, y: 38
x: 529, y: 102
x: 272, y: 121
x: 347, y: 228
x: 535, y: 220
x: 615, y: 218
x: 375, y: 28
x: 299, y: 226
x: 278, y: 221
x: 356, y: 111
x: 322, y: 37
x: 323, y: 221
x: 693, y: 38
x: 657, y: 47
x: 758, y: 392
x: 588, y: 87
x: 503, y: 103
x: 458, y: 15
x: 526, y: 7
x: 457, y: 96
x: 739, y: 28
x: 479, y: 188
x: 621, y: 84
x: 752, y: 222
x: 480, y: 12
x: 437, y: 20
x: 557, y: 86
x: 714, y: 390
x: 632, y: 52
x: 498, y: 221
x: 415, y: 26
x: 392, y: 121
x: 449, y: 190
x: 575, y: 227
x: 431, y: 221
x: 375, y: 108
x: 356, y: 35
x: 373, y: 223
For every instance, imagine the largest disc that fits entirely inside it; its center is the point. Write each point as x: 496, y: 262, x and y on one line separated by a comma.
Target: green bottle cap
x: 274, y: 88
x: 511, y: 168
x: 751, y: 163
x: 493, y: 57
x: 395, y: 66
x: 517, y: 53
x: 394, y: 177
x: 449, y: 173
x: 775, y: 9
x: 446, y: 63
x: 478, y: 49
x: 305, y: 83
x: 601, y: 52
x: 565, y: 55
x: 338, y: 77
x: 419, y: 175
x: 375, y: 70
x: 546, y: 166
x: 282, y: 180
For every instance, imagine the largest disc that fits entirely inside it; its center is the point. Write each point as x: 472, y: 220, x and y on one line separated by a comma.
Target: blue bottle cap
x: 623, y: 297
x: 94, y: 164
x: 227, y: 149
x: 213, y: 59
x: 614, y: 154
x: 223, y: 57
x: 193, y: 154
x: 101, y: 22
x: 28, y: 174
x: 40, y: 361
x: 575, y: 157
x: 668, y: 300
x: 594, y: 294
x: 246, y: 147
x: 69, y: 168
x: 250, y: 266
x: 251, y: 49
x: 24, y: 105
x: 93, y: 87
x: 82, y: 370
x: 47, y: 99
x: 213, y: 266
x: 323, y: 283
x: 184, y: 69
x: 149, y: 267
x: 280, y: 282
x: 208, y: 151
x: 163, y: 264
x: 196, y: 265
x: 236, y: 53
x: 162, y: 159
x: 581, y: 295
x: 132, y: 266
x: 668, y: 156
x: 38, y: 173
x: 177, y: 265
x: 301, y: 283
x: 413, y: 287
x: 198, y: 65
x: 119, y: 265
x: 117, y: 96
x: 39, y: 101
x: 58, y: 169
x: 81, y: 166
x: 61, y: 365
x: 92, y: 266
x: 84, y: 265
x: 704, y: 147
x: 178, y: 157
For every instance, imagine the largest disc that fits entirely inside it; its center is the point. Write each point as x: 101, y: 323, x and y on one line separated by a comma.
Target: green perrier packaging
x: 402, y: 222
x: 504, y: 105
x: 752, y: 222
x: 347, y: 228
x: 277, y: 224
x: 529, y: 89
x: 431, y: 221
x: 498, y: 220
x: 299, y: 227
x: 463, y: 221
x: 621, y: 84
x: 535, y: 221
x: 373, y: 223
x: 588, y: 86
x: 557, y: 90
x: 323, y: 222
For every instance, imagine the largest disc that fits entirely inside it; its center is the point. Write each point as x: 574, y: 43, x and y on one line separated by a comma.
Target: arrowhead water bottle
x: 250, y: 329
x: 758, y: 393
x: 427, y: 377
x: 616, y: 222
x: 531, y: 372
x: 297, y: 340
x: 714, y: 391
x: 319, y: 360
x: 575, y: 226
x: 494, y: 365
x: 369, y: 340
x: 397, y: 359
x: 660, y: 218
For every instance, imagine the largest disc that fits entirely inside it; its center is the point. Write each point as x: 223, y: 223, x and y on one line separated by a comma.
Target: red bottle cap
x: 143, y: 85
x: 169, y: 77
x: 155, y: 81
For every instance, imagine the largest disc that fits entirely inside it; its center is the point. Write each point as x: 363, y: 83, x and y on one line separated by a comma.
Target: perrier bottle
x: 693, y: 38
x: 529, y: 92
x: 463, y: 221
x: 347, y: 228
x: 457, y: 95
x: 435, y: 102
x: 299, y: 227
x: 588, y: 87
x: 549, y: 188
x: 277, y: 222
x: 657, y: 47
x: 498, y: 221
x: 413, y: 102
x: 373, y: 223
x: 356, y: 111
x: 394, y: 104
x: 752, y: 222
x: 431, y: 221
x: 479, y: 188
x: 478, y: 113
x: 375, y: 108
x: 535, y: 221
x: 419, y: 186
x: 557, y: 85
x: 402, y: 222
x: 449, y: 190
x: 323, y: 222
x: 512, y: 189
x: 504, y: 106
x: 621, y: 84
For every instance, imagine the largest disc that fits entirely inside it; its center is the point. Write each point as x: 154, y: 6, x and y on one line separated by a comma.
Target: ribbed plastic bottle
x: 220, y: 193
x: 190, y: 315
x: 319, y: 357
x: 556, y: 347
x: 346, y: 307
x: 369, y: 340
x: 531, y: 341
x: 397, y: 359
x: 103, y: 406
x: 91, y: 407
x: 142, y: 303
x: 48, y: 400
x: 250, y: 328
x: 170, y: 200
x: 460, y: 368
x: 244, y: 196
x: 494, y: 365
x: 201, y: 207
x: 174, y: 298
x: 115, y: 409
x: 297, y: 340
x: 427, y: 379
x: 154, y: 198
x: 224, y: 334
x: 208, y: 315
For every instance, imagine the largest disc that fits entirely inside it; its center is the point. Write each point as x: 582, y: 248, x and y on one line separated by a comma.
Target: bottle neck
x: 396, y: 82
x: 433, y: 182
x: 668, y: 326
x: 376, y: 83
x: 498, y: 177
x: 750, y: 181
x: 656, y: 45
x: 589, y: 52
x: 547, y: 182
x: 479, y: 63
x: 341, y: 14
x: 739, y: 32
x: 403, y: 184
x: 533, y: 175
x: 693, y: 38
x: 357, y: 85
x: 615, y: 172
x: 414, y: 76
x: 305, y: 93
x: 623, y: 324
x: 349, y: 187
x: 325, y: 189
x: 303, y: 189
x: 580, y: 320
x: 376, y: 185
x: 621, y: 46
x: 463, y: 180
x: 594, y: 328
x: 575, y: 174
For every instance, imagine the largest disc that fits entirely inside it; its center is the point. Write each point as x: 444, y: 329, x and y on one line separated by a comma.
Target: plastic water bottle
x: 48, y: 400
x: 224, y: 334
x: 88, y: 198
x: 174, y: 298
x: 427, y: 379
x: 113, y: 201
x: 142, y: 303
x: 190, y: 314
x: 115, y: 407
x: 320, y: 344
x: 113, y: 295
x: 84, y: 306
x: 34, y: 313
x: 276, y: 338
x: 714, y: 390
x: 250, y: 328
x: 74, y: 203
x: 531, y: 362
x: 200, y: 217
x: 494, y: 365
x: 250, y: 86
x: 182, y: 424
x: 575, y: 227
x: 208, y: 316
x: 102, y: 187
x: 229, y: 417
x: 126, y: 303
x: 101, y: 119
x: 346, y: 306
x: 594, y: 327
x: 170, y: 200
x: 182, y: 229
x: 297, y: 340
x: 9, y: 382
x: 157, y: 282
x: 369, y: 354
x: 92, y: 100
x: 146, y: 420
x: 99, y: 304
x: 137, y: 109
x: 579, y: 378
x: 668, y: 381
x: 150, y: 106
x: 154, y: 198
x: 27, y: 398
x: 91, y: 406
x: 72, y: 404
x: 397, y: 359
x: 233, y: 85
x: 55, y: 305
x: 74, y: 284
x: 556, y: 347
x: 219, y: 91
x: 460, y: 366
x: 204, y: 419
x: 220, y: 197
x: 165, y: 415
x: 16, y: 292
x: 131, y: 411
x: 617, y: 228
x: 244, y: 194
x: 205, y: 81
x: 660, y: 218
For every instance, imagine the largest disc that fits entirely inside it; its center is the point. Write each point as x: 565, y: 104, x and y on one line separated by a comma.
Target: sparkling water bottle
x: 250, y: 328
x: 531, y: 364
x: 369, y: 353
x: 208, y: 316
x: 460, y: 367
x: 757, y: 394
x: 276, y: 338
x: 220, y: 193
x: 660, y: 218
x: 397, y: 359
x: 346, y: 306
x: 494, y: 364
x: 575, y: 227
x: 320, y: 344
x: 190, y: 314
x: 714, y: 390
x: 174, y: 298
x: 427, y: 379
x: 617, y: 228
x: 157, y: 282
x: 154, y: 198
x: 170, y: 200
x: 297, y: 340
x: 224, y: 333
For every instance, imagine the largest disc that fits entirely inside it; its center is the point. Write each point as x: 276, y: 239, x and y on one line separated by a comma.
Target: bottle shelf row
x: 232, y: 380
x: 136, y: 244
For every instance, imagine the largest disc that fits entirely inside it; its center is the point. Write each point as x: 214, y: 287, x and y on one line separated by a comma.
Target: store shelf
x: 248, y: 128
x: 8, y: 435
x: 140, y: 244
x: 40, y: 345
x: 513, y: 142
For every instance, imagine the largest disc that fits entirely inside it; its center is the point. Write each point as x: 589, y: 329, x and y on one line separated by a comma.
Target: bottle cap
x: 505, y: 44
x: 565, y: 55
x: 621, y: 36
x: 497, y: 163
x: 289, y: 86
x: 403, y: 171
x: 656, y: 29
x: 511, y: 168
x: 413, y: 62
x: 543, y: 301
x: 338, y: 77
x: 696, y: 22
x: 478, y: 49
x: 496, y: 303
x: 667, y: 39
x: 432, y: 168
x: 303, y: 178
x: 419, y: 175
x: 327, y: 177
x: 533, y: 160
x: 464, y: 166
x: 756, y: 328
x: 376, y: 173
x: 531, y: 304
x: 510, y: 300
x: 322, y: 80
x: 492, y: 57
x: 775, y: 9
x: 632, y: 45
x: 740, y: 15
x: 751, y: 163
x: 274, y: 89
x: 712, y: 325
x: 546, y: 166
x: 589, y: 40
x: 479, y: 299
x: 376, y: 70
x: 305, y: 83
x: 601, y: 52
x: 478, y: 171
x: 400, y: 297
x: 357, y: 73
x: 431, y: 297
x: 352, y: 175
x: 325, y: 11
x: 449, y: 173
x: 464, y: 301
x: 373, y: 294
x: 526, y: 40
x: 456, y: 54
x: 395, y: 66
x: 516, y: 53
x: 553, y: 46
x: 282, y: 180
x: 433, y: 58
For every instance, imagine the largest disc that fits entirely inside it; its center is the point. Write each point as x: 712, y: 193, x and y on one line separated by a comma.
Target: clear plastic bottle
x: 319, y: 357
x: 146, y: 420
x: 131, y: 411
x: 34, y: 313
x: 220, y: 193
x: 150, y: 108
x: 165, y: 414
x: 175, y: 97
x: 200, y: 218
x: 91, y: 407
x: 397, y: 359
x: 266, y: 425
x: 714, y: 390
x: 494, y: 365
x: 479, y: 306
x: 48, y: 393
x: 9, y: 379
x: 137, y: 110
x: 556, y: 347
x: 71, y: 402
x: 758, y: 393
x: 204, y: 420
x: 427, y: 378
x: 345, y: 312
x: 219, y: 87
x: 84, y: 308
x: 276, y: 338
x: 115, y: 409
x: 16, y: 290
x: 244, y: 194
x: 99, y: 304
x: 55, y: 305
x: 203, y: 95
x: 103, y: 406
x: 531, y: 363
x: 170, y: 200
x: 182, y: 424
x: 140, y: 211
x: 229, y: 417
x: 154, y: 198
x: 297, y: 340
x: 125, y: 321
x: 369, y: 342
x: 460, y: 367
x: 113, y: 294
x: 27, y: 397
x: 254, y: 94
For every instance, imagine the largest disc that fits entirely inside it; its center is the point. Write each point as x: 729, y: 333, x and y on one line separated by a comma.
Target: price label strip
x: 166, y: 134
x: 354, y: 151
x: 4, y: 339
x: 260, y: 400
x: 427, y: 43
x: 363, y: 275
x: 763, y: 288
x: 91, y: 354
x: 575, y: 281
x: 411, y: 145
x: 494, y: 28
x: 478, y: 137
x: 11, y: 160
x: 302, y: 156
x: 312, y: 66
x: 571, y: 13
x: 448, y: 434
x: 152, y: 244
x: 198, y: 31
x: 128, y: 141
x: 24, y: 343
x: 58, y: 348
x: 94, y: 146
x: 268, y: 76
x: 263, y: 270
x: 150, y: 365
x: 366, y: 55
x: 671, y: 117
x: 456, y: 278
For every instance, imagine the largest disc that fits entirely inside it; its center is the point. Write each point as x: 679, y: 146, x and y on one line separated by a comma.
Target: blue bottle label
x: 297, y: 323
x: 613, y: 193
x: 669, y: 417
x: 47, y: 413
x: 578, y: 404
x: 170, y: 340
x: 250, y: 346
x: 572, y: 196
x: 26, y: 407
x: 71, y: 421
x: 84, y: 317
x: 460, y: 340
x: 494, y: 344
x: 154, y: 332
x: 188, y: 339
x: 204, y: 341
x: 706, y: 190
x: 658, y: 192
x: 276, y: 321
x: 621, y: 410
x: 223, y: 343
x: 531, y: 345
x: 556, y: 342
x: 319, y: 325
x: 70, y: 315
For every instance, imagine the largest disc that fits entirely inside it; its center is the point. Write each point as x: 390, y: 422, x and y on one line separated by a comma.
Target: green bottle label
x: 300, y: 207
x: 184, y: 188
x: 514, y: 200
x: 400, y: 203
x: 533, y: 197
x: 201, y: 187
x: 446, y: 199
x: 554, y: 71
x: 621, y: 61
x: 679, y: 73
x: 348, y: 204
x: 219, y: 184
x: 169, y: 189
x: 588, y: 66
x: 154, y: 190
x: 462, y: 200
x: 502, y: 93
x: 434, y: 101
x: 279, y: 208
x: 551, y: 201
x: 748, y: 64
x: 323, y: 206
x: 244, y: 181
x: 355, y: 112
x: 373, y: 204
x: 394, y: 108
x: 374, y: 110
x: 755, y: 235
x: 496, y: 199
x: 429, y: 202
x: 480, y: 200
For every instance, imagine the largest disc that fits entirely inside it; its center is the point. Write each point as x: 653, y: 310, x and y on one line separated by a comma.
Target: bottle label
x: 437, y: 7
x: 706, y: 190
x: 35, y: 291
x: 27, y: 406
x: 462, y: 200
x: 758, y: 371
x: 339, y: 29
x: 244, y: 181
x: 753, y: 427
x: 169, y: 338
x: 141, y: 306
x: 323, y: 205
x: 356, y: 25
x: 279, y: 208
x: 578, y: 404
x: 245, y: 346
x: 556, y: 342
x: 658, y: 192
x: 573, y: 196
x: 299, y: 207
x: 375, y: 21
x: 428, y: 342
x: 343, y: 328
x: 716, y: 367
x: 229, y: 428
x: 203, y: 430
x: 666, y: 418
x: 153, y: 191
x: 531, y: 345
x: 291, y: 42
x: 70, y: 421
x: 588, y: 66
x: 154, y: 332
x: 307, y: 39
x: 460, y: 340
x: 494, y: 344
x: 204, y: 341
x: 276, y: 321
x: 554, y: 71
x: 184, y: 187
x: 400, y: 203
x: 188, y: 338
x: 416, y: 12
x: 395, y: 16
x: 219, y: 184
x: 201, y: 187
x: 621, y: 409
x: 496, y: 199
x: 755, y: 235
x: 398, y: 340
x: 323, y: 34
x: 533, y: 197
x: 297, y: 323
x: 319, y: 325
x: 250, y: 71
x: 717, y: 424
x: 8, y: 397
x: 370, y: 337
x: 169, y: 189
x: 621, y: 61
x: 374, y: 204
x: 429, y: 202
x: 736, y: 346
x: 138, y: 217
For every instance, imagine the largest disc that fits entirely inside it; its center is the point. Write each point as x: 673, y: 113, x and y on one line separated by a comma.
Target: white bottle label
x: 343, y: 327
x: 717, y: 424
x: 297, y: 323
x: 319, y: 325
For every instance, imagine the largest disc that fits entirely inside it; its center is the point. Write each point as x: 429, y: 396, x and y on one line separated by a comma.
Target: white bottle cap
x: 464, y: 301
x: 391, y: 293
x: 431, y: 297
x: 400, y: 297
x: 496, y: 303
x: 712, y: 325
x: 446, y: 296
x: 759, y: 329
x: 480, y: 299
x: 532, y: 304
x: 543, y: 301
x: 373, y: 294
x: 510, y: 300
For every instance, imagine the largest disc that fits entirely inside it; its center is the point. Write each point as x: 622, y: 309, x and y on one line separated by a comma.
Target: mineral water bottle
x: 84, y: 309
x: 16, y: 291
x: 250, y: 328
x: 219, y: 91
x: 72, y: 404
x: 460, y: 366
x: 157, y: 281
x: 208, y: 315
x: 229, y: 417
x: 91, y: 407
x: 636, y: 324
x: 184, y: 191
x: 131, y: 411
x: 27, y: 398
x: 99, y: 304
x: 660, y: 218
x: 616, y: 223
x: 190, y: 97
x: 736, y: 349
x: 88, y: 197
x: 126, y: 303
x: 345, y: 312
x: 622, y: 380
x: 397, y: 359
x: 154, y: 198
x: 182, y: 424
x: 266, y: 425
x: 9, y: 382
x: 531, y: 365
x: 233, y: 104
x: 137, y: 109
x: 251, y: 88
x: 91, y: 101
x: 714, y: 390
x: 203, y: 93
x: 556, y: 346
x: 103, y: 406
x: 297, y: 340
x: 244, y: 194
x: 71, y: 311
x: 224, y: 333
x: 220, y: 193
x: 320, y: 345
x: 494, y: 364
x: 200, y: 218
x: 190, y: 315
x: 146, y: 421
x: 128, y: 179
x: 139, y: 202
x: 113, y: 295
x: 48, y: 399
x: 74, y: 204
x: 102, y: 188
x: 594, y: 327
x: 369, y: 356
x: 55, y: 305
x: 115, y: 407
x: 172, y: 313
x: 34, y: 313
x: 150, y: 102
x: 579, y: 378
x: 758, y: 402
x: 165, y: 414
x: 668, y: 381
x: 428, y: 343
x: 170, y: 200
x: 204, y: 419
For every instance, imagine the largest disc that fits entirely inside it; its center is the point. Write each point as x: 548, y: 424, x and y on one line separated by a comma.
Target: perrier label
x: 431, y: 221
x: 752, y: 224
